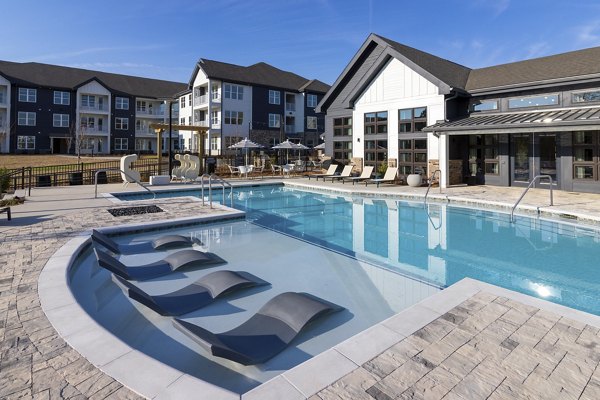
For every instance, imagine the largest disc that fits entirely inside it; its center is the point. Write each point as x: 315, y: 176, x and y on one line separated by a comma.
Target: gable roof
x: 260, y: 73
x: 59, y: 77
x: 558, y: 67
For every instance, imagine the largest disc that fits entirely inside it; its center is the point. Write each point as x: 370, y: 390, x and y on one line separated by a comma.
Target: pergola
x: 159, y: 128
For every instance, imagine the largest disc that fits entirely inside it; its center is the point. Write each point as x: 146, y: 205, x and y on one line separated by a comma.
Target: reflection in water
x: 441, y: 244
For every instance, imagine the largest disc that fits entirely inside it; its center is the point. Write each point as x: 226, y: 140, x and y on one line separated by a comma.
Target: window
x: 189, y: 120
x: 182, y: 101
x: 121, y: 144
x: 589, y: 96
x: 27, y: 95
x: 88, y: 101
x: 412, y: 120
x: 121, y: 103
x: 215, y: 118
x: 234, y: 92
x: 311, y: 100
x: 214, y: 143
x: 234, y: 117
x: 26, y: 118
x: 534, y: 101
x: 182, y: 121
x: 342, y: 150
x: 483, y: 152
x: 586, y: 156
x: 412, y: 156
x: 25, y: 142
x: 484, y: 105
x: 214, y: 93
x: 88, y: 123
x: 274, y: 121
x: 63, y: 98
x: 274, y: 97
x: 375, y: 152
x: 376, y: 123
x: 311, y: 122
x: 342, y: 126
x: 122, y: 124
x: 60, y: 120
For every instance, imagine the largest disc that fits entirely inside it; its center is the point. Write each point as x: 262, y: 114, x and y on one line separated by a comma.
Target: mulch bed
x: 126, y: 211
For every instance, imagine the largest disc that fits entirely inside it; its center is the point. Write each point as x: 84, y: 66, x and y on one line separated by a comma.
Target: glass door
x: 532, y: 155
x: 521, y: 159
x: 547, y: 145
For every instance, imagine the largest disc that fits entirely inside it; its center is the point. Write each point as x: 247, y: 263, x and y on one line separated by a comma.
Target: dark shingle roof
x: 451, y: 73
x: 54, y: 76
x: 259, y: 74
x: 559, y: 66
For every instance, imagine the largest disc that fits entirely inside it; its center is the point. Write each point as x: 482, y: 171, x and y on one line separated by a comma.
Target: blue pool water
x: 439, y: 244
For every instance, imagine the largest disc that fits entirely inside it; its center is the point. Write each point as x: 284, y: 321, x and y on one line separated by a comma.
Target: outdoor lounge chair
x: 345, y: 174
x: 366, y: 174
x: 330, y: 172
x: 389, y: 177
x: 172, y: 262
x: 192, y: 297
x: 161, y: 243
x: 266, y: 333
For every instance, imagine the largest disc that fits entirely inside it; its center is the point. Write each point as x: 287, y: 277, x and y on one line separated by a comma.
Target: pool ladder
x: 535, y: 178
x: 431, y: 180
x: 217, y: 179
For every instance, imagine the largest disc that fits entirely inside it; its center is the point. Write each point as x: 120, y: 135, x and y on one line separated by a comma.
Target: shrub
x: 4, y: 180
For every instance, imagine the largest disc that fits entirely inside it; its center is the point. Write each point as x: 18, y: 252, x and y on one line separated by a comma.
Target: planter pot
x: 414, y: 180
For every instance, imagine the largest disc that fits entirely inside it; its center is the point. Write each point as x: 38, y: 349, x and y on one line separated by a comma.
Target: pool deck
x: 472, y: 340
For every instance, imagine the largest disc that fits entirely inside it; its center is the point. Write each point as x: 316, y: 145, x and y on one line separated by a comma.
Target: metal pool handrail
x: 220, y: 180
x: 124, y: 173
x: 431, y: 182
x: 535, y: 178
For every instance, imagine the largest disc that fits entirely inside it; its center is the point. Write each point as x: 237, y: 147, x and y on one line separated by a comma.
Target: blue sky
x: 313, y: 38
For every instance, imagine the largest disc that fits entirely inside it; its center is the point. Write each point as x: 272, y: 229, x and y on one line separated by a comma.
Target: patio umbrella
x: 245, y: 144
x: 287, y: 145
x: 320, y: 147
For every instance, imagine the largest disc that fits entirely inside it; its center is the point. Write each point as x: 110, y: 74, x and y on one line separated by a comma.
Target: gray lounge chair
x: 266, y: 333
x: 192, y: 297
x: 330, y: 172
x: 161, y: 243
x: 172, y: 262
x: 366, y: 174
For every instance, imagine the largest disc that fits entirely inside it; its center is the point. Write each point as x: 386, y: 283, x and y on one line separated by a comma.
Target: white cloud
x: 589, y: 34
x: 538, y: 49
x: 497, y: 6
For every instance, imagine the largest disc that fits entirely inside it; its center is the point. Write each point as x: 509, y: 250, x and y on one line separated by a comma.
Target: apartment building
x: 259, y: 102
x: 53, y: 109
x: 501, y: 125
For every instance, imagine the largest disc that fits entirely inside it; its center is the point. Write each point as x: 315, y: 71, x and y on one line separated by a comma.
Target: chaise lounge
x: 161, y: 243
x: 172, y: 262
x: 389, y: 177
x: 266, y: 333
x: 192, y: 297
x: 330, y: 172
x: 345, y: 174
x: 366, y: 174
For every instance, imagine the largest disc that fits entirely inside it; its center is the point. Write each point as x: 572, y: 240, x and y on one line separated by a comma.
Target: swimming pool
x: 438, y: 244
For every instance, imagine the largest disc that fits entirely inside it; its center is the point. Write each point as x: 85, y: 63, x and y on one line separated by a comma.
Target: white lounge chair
x: 366, y: 174
x: 389, y: 177
x: 345, y: 173
x: 330, y: 172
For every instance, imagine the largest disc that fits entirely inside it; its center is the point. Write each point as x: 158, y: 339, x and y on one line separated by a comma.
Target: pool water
x: 437, y: 244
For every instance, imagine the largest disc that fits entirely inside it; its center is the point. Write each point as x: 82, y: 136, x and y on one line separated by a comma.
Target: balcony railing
x: 94, y: 131
x: 145, y: 131
x: 97, y: 107
x: 150, y: 113
x: 216, y: 97
x: 290, y: 107
x: 290, y: 129
x: 201, y: 123
x: 200, y: 100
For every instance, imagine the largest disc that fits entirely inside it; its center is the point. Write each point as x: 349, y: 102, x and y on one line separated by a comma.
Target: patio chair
x: 192, y: 297
x: 277, y: 170
x: 389, y: 177
x: 366, y: 174
x: 7, y: 211
x: 161, y: 243
x: 172, y: 262
x: 233, y: 170
x: 330, y: 172
x: 266, y: 333
x: 345, y: 174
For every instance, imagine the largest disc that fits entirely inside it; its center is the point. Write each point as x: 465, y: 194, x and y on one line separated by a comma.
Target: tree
x: 77, y: 138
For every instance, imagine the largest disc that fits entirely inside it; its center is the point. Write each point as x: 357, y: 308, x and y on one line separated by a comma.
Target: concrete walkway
x: 452, y: 357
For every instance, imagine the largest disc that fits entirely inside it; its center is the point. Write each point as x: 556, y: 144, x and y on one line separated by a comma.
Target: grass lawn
x: 11, y: 161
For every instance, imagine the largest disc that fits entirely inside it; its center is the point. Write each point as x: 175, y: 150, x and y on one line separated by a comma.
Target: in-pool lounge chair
x: 161, y: 243
x: 192, y: 297
x: 172, y: 262
x: 389, y: 177
x: 345, y: 173
x: 330, y: 172
x: 266, y: 333
x: 366, y: 174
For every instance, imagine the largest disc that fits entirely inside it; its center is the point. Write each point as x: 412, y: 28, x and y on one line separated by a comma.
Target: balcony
x: 201, y: 100
x: 94, y: 108
x: 202, y: 123
x: 94, y: 131
x: 215, y: 97
x: 150, y: 113
x: 290, y: 129
x: 290, y: 107
x: 145, y: 131
x: 215, y: 124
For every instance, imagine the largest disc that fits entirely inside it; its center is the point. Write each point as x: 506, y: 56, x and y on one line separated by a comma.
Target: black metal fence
x: 80, y: 174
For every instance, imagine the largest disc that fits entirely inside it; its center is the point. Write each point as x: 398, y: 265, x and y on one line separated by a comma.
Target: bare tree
x: 77, y: 138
